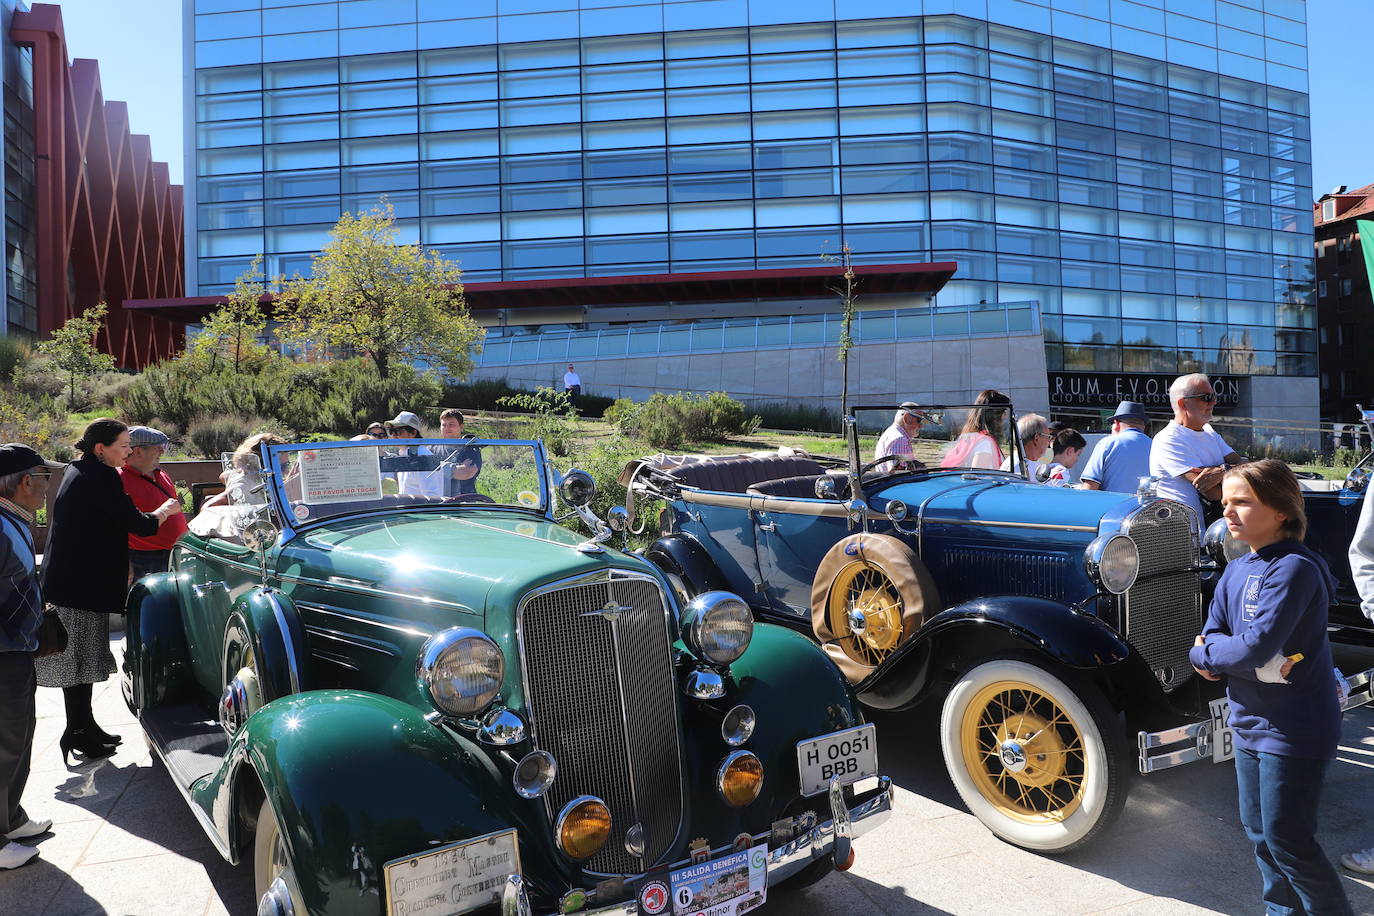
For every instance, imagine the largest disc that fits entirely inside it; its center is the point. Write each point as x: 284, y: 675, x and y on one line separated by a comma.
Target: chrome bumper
x: 1193, y: 742
x: 870, y: 809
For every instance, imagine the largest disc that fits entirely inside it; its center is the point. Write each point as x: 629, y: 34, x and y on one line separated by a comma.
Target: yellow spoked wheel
x: 1025, y: 752
x: 1040, y: 758
x: 865, y: 612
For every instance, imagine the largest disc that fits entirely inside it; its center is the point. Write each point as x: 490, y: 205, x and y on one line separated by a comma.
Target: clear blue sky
x: 139, y: 48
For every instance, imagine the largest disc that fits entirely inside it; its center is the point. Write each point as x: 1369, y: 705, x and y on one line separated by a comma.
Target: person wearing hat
x: 1120, y: 460
x: 86, y: 576
x: 429, y: 483
x: 897, y: 441
x: 23, y: 490
x: 148, y: 485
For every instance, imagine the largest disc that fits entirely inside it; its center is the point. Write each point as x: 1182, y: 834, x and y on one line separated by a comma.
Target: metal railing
x: 996, y: 319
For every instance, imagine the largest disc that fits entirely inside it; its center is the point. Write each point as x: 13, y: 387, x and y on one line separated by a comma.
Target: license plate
x: 1222, y: 739
x: 732, y: 884
x: 457, y: 878
x: 851, y: 755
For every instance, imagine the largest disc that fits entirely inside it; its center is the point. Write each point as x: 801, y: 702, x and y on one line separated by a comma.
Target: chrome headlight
x: 577, y: 488
x: 717, y: 627
x: 460, y: 670
x: 1220, y: 545
x: 1112, y: 563
x: 896, y: 510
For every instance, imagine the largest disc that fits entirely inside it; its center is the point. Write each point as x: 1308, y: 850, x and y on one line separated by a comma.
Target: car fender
x: 267, y: 620
x: 955, y: 639
x: 796, y: 693
x: 157, y: 660
x: 687, y: 566
x: 345, y: 767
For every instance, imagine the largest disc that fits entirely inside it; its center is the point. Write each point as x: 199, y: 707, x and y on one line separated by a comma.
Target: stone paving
x: 124, y: 841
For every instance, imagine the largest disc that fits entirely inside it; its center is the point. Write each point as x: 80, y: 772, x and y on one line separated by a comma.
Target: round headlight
x: 1220, y: 545
x: 740, y: 778
x: 717, y: 627
x: 583, y: 826
x: 534, y: 774
x: 1113, y: 563
x: 460, y: 669
x: 577, y: 488
x: 738, y: 725
x: 896, y: 510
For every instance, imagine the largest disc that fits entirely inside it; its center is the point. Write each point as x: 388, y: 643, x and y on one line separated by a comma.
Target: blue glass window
x: 608, y: 192
x: 459, y: 201
x: 724, y: 71
x: 879, y: 150
x: 625, y: 163
x: 465, y: 88
x: 450, y: 61
x: 623, y: 77
x: 542, y: 196
x: 709, y: 158
x: 883, y: 179
x: 710, y: 187
x: 289, y: 74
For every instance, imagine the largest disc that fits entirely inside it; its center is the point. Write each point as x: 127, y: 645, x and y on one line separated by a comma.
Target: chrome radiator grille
x: 1164, y: 608
x: 602, y: 701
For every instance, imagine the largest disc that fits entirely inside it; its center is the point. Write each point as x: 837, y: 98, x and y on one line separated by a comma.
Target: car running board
x: 191, y: 745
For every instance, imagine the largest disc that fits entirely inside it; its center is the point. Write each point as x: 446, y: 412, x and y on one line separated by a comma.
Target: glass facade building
x: 1139, y: 169
x: 20, y: 239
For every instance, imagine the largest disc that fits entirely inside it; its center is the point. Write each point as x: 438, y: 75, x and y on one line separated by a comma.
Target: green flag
x: 1366, y: 230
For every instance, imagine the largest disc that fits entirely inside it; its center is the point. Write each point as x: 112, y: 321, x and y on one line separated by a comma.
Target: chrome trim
x: 730, y: 760
x: 602, y: 575
x: 986, y: 523
x: 501, y: 727
x: 1092, y: 562
x: 562, y: 818
x: 199, y: 589
x: 843, y: 846
x: 514, y: 900
x: 1359, y: 686
x: 349, y: 640
x: 277, y: 611
x: 871, y: 809
x: 373, y: 592
x: 548, y: 772
x: 745, y: 722
x: 435, y: 647
x: 696, y: 618
x: 277, y: 900
x: 704, y: 683
x: 357, y: 618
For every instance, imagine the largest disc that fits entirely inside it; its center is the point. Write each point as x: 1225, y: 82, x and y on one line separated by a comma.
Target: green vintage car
x: 394, y: 700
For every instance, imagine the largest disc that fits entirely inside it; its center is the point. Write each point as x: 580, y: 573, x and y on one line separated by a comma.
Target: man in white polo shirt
x: 1188, y: 456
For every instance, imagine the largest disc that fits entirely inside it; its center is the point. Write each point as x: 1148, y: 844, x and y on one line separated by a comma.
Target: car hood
x: 989, y: 501
x: 479, y: 559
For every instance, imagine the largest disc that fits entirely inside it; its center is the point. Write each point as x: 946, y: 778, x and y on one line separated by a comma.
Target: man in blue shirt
x: 23, y: 488
x: 1120, y: 460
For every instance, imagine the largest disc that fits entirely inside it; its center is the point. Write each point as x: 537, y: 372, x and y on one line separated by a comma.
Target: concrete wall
x: 946, y: 370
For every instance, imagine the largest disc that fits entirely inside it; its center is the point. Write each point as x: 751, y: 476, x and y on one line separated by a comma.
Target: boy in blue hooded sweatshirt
x: 1270, y: 605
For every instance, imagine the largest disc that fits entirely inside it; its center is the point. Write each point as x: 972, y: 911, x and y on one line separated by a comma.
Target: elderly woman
x: 86, y: 575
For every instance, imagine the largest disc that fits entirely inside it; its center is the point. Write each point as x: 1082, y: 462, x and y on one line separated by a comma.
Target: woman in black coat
x: 85, y: 575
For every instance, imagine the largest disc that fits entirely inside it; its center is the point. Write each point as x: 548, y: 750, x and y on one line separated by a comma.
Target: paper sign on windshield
x: 339, y: 475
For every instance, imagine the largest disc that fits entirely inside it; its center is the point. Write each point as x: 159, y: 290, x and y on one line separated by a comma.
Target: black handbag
x: 52, y: 636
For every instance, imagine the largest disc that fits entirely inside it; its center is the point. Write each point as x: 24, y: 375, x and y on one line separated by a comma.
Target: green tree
x: 387, y: 301
x: 72, y: 349
x: 233, y: 331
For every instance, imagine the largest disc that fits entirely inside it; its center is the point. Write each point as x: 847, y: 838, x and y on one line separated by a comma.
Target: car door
x: 792, y: 536
x: 1331, y: 521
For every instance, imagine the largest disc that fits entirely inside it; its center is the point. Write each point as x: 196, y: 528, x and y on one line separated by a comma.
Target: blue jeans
x: 1278, y: 808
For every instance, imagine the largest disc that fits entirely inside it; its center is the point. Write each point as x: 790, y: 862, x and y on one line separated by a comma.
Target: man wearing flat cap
x: 23, y: 488
x: 1121, y: 459
x: 149, y: 486
x: 897, y: 441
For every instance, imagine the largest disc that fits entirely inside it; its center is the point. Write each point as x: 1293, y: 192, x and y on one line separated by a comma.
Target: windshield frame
x: 290, y: 526
x: 856, y: 461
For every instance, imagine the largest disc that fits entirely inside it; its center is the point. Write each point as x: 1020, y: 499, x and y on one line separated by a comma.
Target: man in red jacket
x: 149, y: 487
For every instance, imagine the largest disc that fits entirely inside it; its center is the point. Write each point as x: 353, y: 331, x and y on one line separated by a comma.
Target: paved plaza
x: 125, y: 842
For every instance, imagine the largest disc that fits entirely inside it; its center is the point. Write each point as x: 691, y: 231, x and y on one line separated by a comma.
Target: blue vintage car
x: 1053, y: 624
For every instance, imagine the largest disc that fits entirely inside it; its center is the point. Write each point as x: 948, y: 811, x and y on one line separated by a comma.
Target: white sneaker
x: 33, y: 827
x: 1361, y: 861
x: 13, y: 855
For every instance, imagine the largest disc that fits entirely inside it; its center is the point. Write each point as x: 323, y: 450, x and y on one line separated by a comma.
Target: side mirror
x: 1357, y: 481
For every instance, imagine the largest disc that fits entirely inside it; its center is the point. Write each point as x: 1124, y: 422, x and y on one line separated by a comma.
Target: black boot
x: 84, y: 743
x: 82, y: 734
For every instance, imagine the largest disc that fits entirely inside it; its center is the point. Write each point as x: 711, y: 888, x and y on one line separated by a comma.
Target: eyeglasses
x: 377, y: 433
x: 1208, y: 398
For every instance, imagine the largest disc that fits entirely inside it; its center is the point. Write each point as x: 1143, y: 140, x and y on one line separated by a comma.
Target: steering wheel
x: 471, y: 498
x: 898, y: 464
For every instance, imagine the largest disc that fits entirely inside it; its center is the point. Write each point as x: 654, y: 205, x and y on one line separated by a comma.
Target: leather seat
x: 803, y: 487
x: 736, y: 475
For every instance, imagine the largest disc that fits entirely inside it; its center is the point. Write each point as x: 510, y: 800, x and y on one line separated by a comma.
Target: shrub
x: 39, y: 423
x: 15, y: 352
x: 800, y: 417
x: 554, y: 420
x: 210, y: 437
x: 671, y: 420
x: 622, y: 414
x: 107, y: 388
x: 353, y: 395
x: 488, y: 393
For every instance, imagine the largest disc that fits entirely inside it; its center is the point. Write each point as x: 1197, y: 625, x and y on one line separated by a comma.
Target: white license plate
x: 1223, y: 740
x: 851, y: 755
x: 457, y: 878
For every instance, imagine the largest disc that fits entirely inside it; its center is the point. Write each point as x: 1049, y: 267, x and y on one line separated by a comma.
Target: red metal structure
x: 109, y: 220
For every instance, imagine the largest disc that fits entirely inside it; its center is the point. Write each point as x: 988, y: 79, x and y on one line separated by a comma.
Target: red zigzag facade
x: 109, y: 220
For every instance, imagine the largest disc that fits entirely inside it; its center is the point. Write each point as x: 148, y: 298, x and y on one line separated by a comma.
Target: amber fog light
x: 740, y: 778
x: 583, y: 826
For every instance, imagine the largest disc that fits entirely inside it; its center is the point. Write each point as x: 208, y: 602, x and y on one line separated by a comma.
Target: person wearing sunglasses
x: 1188, y: 456
x: 376, y: 431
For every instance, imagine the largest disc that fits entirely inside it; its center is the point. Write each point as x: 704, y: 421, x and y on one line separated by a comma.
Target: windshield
x: 937, y: 437
x: 326, y: 479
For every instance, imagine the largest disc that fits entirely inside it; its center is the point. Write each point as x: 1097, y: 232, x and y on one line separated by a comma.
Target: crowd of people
x: 116, y: 517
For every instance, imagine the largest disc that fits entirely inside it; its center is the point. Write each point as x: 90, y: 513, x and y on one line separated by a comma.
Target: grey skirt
x: 88, y: 659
